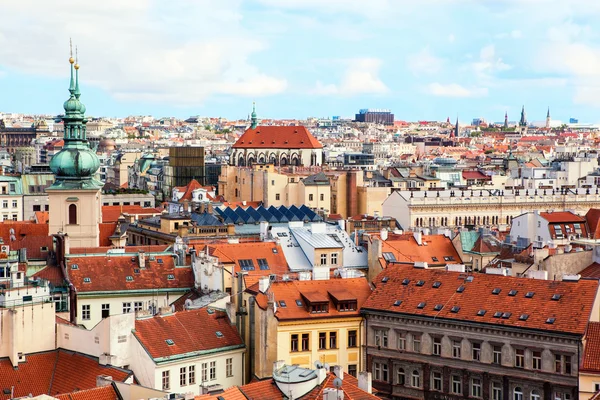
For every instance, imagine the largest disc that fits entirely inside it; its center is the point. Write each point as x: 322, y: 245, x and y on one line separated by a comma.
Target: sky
x: 423, y: 59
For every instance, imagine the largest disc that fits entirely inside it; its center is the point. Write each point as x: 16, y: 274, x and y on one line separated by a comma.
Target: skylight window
x: 219, y: 334
x: 299, y: 303
x: 74, y: 266
x: 481, y: 313
x: 87, y: 280
x: 437, y: 284
x: 470, y: 278
x: 129, y: 278
x: 455, y: 309
x: 385, y: 279
x: 136, y: 270
x: 448, y: 258
x: 170, y: 342
x: 397, y: 303
x: 159, y: 260
x: 506, y: 315
x: 274, y: 250
x: 513, y: 292
x: 170, y: 277
x: 497, y: 314
x: 421, y: 305
x: 496, y: 291
x: 246, y: 265
x: 550, y: 320
x: 282, y: 303
x: 556, y: 297
x: 405, y: 281
x: 438, y: 307
x: 529, y: 295
x: 263, y: 264
x: 210, y: 311
x: 434, y: 259
x: 420, y: 283
x: 389, y: 257
x: 460, y: 289
x: 524, y: 317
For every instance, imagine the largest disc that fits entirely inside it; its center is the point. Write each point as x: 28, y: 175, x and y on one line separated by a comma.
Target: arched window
x: 400, y: 377
x: 518, y: 394
x: 416, y: 379
x: 72, y: 214
x: 535, y: 395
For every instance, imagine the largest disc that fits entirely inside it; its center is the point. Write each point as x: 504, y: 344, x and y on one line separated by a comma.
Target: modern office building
x: 375, y: 115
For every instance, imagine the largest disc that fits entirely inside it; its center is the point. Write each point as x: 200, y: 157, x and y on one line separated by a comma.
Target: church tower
x: 253, y: 119
x: 523, y: 122
x: 75, y: 196
x: 548, y: 119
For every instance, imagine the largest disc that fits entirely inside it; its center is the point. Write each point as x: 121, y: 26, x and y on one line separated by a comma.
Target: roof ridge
x: 53, y: 371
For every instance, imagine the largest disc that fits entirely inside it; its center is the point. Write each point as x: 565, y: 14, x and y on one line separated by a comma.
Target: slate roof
x: 571, y: 308
x: 108, y: 273
x: 55, y: 372
x: 278, y: 137
x: 317, y: 179
x: 251, y: 215
x: 182, y: 329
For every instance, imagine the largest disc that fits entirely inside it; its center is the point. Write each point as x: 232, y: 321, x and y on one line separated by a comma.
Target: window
x: 476, y: 387
x: 562, y: 364
x: 5, y: 204
x: 12, y: 187
x: 126, y: 307
x: 476, y: 351
x: 310, y: 197
x: 246, y: 265
x: 437, y: 346
x: 229, y: 367
x: 137, y: 306
x: 322, y: 340
x: 14, y: 204
x: 381, y: 371
x: 277, y: 196
x: 204, y: 372
x: 352, y: 370
x: 305, y: 340
x: 322, y: 197
x: 85, y: 312
x: 334, y: 258
x: 272, y: 182
x: 381, y: 337
x: 401, y: 339
x: 352, y: 338
x: 400, y: 377
x: 537, y: 360
x: 294, y: 343
x: 192, y: 374
x: 183, y: 376
x: 520, y: 358
x: 122, y: 339
x: 105, y: 310
x: 496, y: 391
x: 497, y: 355
x: 456, y: 348
x: 323, y: 259
x: 456, y: 384
x: 415, y: 379
x: 535, y: 395
x: 14, y: 217
x: 166, y: 384
x: 263, y: 264
x: 333, y: 340
x: 72, y: 214
x: 213, y: 370
x: 416, y: 344
x: 436, y: 380
x: 518, y: 394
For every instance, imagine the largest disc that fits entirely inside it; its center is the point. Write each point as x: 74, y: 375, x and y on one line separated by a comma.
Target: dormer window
x: 317, y: 308
x: 347, y: 306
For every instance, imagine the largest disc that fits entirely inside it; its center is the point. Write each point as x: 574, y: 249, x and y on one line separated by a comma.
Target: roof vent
x: 496, y: 291
x: 421, y: 305
x: 455, y: 309
x: 513, y: 292
x: 481, y: 313
x: 397, y: 303
x: 524, y: 317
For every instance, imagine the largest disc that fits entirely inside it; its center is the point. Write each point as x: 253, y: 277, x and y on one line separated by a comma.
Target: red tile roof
x: 316, y: 291
x: 406, y: 249
x: 475, y: 175
x: 42, y: 217
x: 591, y: 271
x: 112, y: 213
x: 21, y: 229
x: 571, y: 311
x: 182, y: 328
x: 106, y: 231
x: 54, y: 372
x: 51, y: 273
x: 561, y: 216
x: 278, y: 137
x: 155, y: 275
x: 159, y: 248
x: 591, y: 351
x: 593, y: 217
x: 98, y: 393
x: 187, y: 190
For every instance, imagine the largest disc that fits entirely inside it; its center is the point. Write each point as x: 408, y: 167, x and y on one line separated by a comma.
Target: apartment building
x: 434, y: 334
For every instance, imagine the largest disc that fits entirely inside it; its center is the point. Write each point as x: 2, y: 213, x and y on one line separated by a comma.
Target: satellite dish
x: 337, y: 382
x: 318, y: 364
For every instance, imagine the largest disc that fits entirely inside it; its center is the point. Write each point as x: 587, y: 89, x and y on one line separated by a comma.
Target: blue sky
x: 423, y: 59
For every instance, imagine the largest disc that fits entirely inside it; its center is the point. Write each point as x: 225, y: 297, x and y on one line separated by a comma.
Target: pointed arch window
x: 72, y: 214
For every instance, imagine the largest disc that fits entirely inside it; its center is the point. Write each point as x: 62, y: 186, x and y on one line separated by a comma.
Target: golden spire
x: 76, y: 59
x: 71, y: 60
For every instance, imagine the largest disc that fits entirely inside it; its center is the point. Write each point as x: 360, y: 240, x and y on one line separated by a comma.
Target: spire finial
x: 254, y: 119
x: 77, y: 92
x: 71, y: 60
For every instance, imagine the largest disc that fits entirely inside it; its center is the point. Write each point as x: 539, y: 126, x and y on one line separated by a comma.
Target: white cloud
x: 361, y: 77
x: 424, y: 62
x: 180, y: 52
x: 455, y: 90
x: 489, y: 63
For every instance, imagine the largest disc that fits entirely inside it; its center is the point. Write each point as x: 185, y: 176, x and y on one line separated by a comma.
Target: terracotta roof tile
x: 54, y: 372
x: 571, y: 311
x: 591, y: 271
x: 561, y: 216
x: 290, y: 292
x: 128, y: 249
x: 42, y: 217
x: 436, y: 250
x: 112, y: 213
x: 157, y: 273
x: 182, y: 328
x: 106, y: 231
x: 591, y: 352
x: 51, y: 273
x: 97, y: 393
x: 593, y: 217
x: 233, y: 393
x: 278, y: 137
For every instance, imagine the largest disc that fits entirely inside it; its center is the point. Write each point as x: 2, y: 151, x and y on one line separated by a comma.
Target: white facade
x: 531, y: 226
x: 210, y: 371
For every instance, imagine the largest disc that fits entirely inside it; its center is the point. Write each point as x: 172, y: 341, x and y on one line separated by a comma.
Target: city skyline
x: 425, y: 61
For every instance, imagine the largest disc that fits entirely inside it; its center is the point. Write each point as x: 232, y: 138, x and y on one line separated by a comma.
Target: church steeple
x: 523, y: 121
x: 254, y: 119
x: 506, y: 120
x: 548, y: 119
x: 456, y: 128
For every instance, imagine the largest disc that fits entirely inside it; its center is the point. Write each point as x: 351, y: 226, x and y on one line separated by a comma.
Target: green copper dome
x: 76, y: 164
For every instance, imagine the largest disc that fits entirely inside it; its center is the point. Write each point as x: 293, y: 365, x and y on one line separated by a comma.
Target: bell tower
x: 75, y: 196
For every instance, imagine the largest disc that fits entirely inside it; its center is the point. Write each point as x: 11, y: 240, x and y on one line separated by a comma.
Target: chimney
x: 418, y: 237
x: 365, y: 382
x: 338, y: 370
x: 264, y: 230
x: 384, y: 234
x: 142, y: 259
x: 277, y: 365
x: 321, y: 374
x: 263, y: 284
x: 103, y: 380
x: 186, y: 206
x: 333, y: 394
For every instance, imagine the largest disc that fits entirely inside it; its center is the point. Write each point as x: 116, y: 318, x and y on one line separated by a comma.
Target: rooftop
x: 278, y: 137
